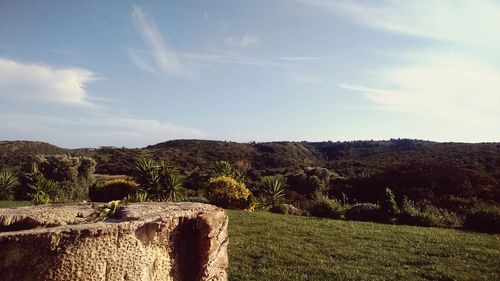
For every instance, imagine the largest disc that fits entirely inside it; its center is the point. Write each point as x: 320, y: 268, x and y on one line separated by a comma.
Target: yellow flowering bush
x: 115, y: 189
x: 121, y: 182
x: 227, y: 192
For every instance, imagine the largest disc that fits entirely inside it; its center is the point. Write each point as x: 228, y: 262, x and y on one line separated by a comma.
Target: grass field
x: 265, y: 246
x: 12, y: 204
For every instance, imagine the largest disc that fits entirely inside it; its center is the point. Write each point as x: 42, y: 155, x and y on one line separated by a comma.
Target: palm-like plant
x: 147, y: 175
x: 173, y: 185
x: 41, y: 188
x: 273, y: 190
x: 158, y: 179
x: 7, y: 182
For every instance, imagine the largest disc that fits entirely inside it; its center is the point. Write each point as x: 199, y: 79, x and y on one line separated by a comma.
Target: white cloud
x: 455, y: 79
x: 88, y: 125
x: 163, y: 59
x: 44, y: 83
x: 471, y: 22
x: 451, y: 87
x: 247, y: 40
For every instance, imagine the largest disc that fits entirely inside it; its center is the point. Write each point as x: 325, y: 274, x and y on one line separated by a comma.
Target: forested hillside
x: 358, y: 170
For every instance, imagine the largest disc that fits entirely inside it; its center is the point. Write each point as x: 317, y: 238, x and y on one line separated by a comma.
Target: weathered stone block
x: 143, y: 241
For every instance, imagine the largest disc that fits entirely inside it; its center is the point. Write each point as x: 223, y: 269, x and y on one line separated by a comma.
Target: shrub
x: 427, y: 215
x: 223, y: 168
x: 226, y: 192
x: 484, y: 220
x: 35, y: 187
x: 413, y: 215
x: 73, y: 176
x: 159, y: 180
x: 325, y: 208
x: 174, y: 187
x: 41, y: 189
x: 147, y: 175
x: 286, y: 209
x: 388, y: 202
x: 138, y: 197
x: 116, y: 189
x: 273, y: 190
x: 364, y: 212
x: 7, y: 183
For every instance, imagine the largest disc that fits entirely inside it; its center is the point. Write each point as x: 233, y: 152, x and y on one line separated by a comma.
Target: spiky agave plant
x: 147, y: 175
x: 273, y: 190
x: 174, y: 184
x: 7, y: 182
x: 40, y: 189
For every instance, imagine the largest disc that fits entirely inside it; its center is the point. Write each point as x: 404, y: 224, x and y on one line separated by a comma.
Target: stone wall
x: 143, y: 241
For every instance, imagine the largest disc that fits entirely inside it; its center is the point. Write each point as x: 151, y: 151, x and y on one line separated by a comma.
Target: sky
x: 135, y: 73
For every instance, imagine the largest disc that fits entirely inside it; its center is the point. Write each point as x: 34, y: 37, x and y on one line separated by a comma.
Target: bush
x: 365, y: 212
x: 427, y: 215
x: 117, y: 189
x: 223, y: 168
x: 388, y: 202
x: 7, y: 183
x: 139, y: 197
x: 325, y: 208
x: 160, y: 180
x: 41, y: 189
x: 226, y: 192
x: 273, y: 190
x: 286, y: 209
x: 73, y: 176
x: 484, y: 220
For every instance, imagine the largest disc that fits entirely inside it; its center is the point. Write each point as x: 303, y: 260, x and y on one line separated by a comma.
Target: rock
x: 143, y: 241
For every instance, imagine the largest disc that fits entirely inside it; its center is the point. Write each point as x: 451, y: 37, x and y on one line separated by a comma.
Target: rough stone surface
x: 143, y: 241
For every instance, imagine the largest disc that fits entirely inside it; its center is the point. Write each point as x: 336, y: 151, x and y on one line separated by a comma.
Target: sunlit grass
x: 12, y: 204
x: 265, y: 246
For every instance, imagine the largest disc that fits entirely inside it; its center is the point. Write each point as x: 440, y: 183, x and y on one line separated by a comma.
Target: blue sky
x: 125, y: 73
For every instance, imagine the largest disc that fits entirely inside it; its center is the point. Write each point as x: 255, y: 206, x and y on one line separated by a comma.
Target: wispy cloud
x: 456, y: 77
x: 298, y: 58
x: 162, y: 59
x: 222, y: 57
x: 45, y: 83
x: 461, y: 21
x: 247, y: 40
x: 452, y: 87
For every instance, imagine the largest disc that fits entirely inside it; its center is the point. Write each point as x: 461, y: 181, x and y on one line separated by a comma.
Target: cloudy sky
x: 125, y: 73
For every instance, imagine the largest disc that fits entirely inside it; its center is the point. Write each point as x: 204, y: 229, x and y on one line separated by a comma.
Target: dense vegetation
x: 265, y: 246
x: 397, y: 181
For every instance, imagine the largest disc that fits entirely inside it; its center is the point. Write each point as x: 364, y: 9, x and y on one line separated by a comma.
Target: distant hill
x: 447, y: 174
x: 15, y: 153
x: 350, y: 159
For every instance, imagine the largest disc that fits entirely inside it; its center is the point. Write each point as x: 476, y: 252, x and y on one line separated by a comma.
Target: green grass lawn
x: 265, y: 246
x: 12, y: 204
